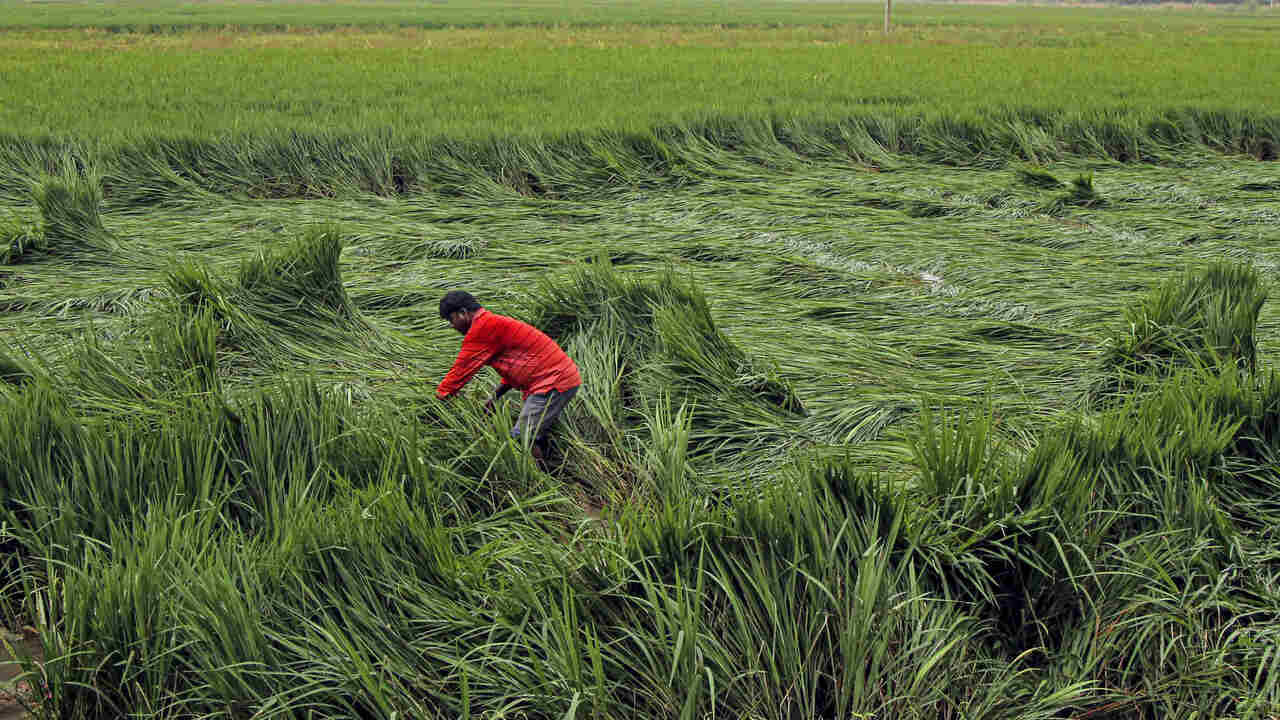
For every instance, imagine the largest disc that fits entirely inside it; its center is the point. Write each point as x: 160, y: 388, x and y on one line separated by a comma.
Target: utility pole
x: 888, y: 10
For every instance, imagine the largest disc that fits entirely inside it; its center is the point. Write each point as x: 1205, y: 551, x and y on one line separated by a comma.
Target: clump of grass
x: 1204, y: 318
x: 18, y: 240
x: 665, y: 344
x: 1081, y: 193
x: 294, y: 293
x: 70, y: 208
x: 193, y: 285
x: 1038, y: 178
x: 183, y: 349
x: 301, y: 277
x: 14, y: 370
x: 694, y: 353
x: 595, y: 291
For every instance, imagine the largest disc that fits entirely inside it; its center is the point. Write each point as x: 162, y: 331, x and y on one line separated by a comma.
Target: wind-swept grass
x: 227, y: 489
x: 673, y: 152
x: 18, y: 239
x: 662, y: 343
x: 1205, y: 318
x: 70, y: 208
x: 302, y: 277
x: 1081, y: 193
x: 330, y: 549
x: 293, y: 293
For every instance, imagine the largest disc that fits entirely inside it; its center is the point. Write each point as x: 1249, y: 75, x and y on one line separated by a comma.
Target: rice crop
x: 788, y: 482
x: 70, y: 210
x: 1203, y: 319
x: 145, y: 17
x: 892, y: 409
x: 18, y: 239
x: 123, y: 95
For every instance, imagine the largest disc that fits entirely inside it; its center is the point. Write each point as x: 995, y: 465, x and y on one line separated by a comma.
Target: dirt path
x: 10, y: 708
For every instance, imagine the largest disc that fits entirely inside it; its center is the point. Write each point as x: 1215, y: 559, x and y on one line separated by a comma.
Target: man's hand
x: 497, y: 395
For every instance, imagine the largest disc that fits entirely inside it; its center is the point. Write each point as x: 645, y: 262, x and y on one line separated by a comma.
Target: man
x: 524, y: 357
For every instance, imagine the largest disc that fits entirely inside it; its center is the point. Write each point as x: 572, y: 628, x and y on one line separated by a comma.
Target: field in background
x: 540, y: 77
x: 165, y: 17
x: 926, y: 376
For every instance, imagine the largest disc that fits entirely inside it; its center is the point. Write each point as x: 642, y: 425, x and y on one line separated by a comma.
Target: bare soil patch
x: 12, y: 689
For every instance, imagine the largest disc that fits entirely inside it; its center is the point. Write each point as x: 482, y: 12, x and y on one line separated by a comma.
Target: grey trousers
x: 540, y: 412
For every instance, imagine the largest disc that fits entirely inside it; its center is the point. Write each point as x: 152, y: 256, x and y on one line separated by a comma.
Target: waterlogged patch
x: 1266, y: 186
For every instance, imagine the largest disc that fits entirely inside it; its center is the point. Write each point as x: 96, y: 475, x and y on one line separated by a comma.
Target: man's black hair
x: 456, y: 300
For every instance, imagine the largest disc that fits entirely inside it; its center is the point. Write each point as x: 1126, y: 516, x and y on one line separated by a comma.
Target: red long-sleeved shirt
x: 524, y: 357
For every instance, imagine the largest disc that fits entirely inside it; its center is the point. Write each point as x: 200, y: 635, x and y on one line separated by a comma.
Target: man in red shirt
x: 524, y: 357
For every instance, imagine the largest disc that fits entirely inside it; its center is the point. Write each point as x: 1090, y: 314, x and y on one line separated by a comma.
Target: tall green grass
x: 151, y: 17
x: 1206, y: 318
x: 294, y: 549
x: 228, y: 490
x: 128, y: 97
x: 290, y: 164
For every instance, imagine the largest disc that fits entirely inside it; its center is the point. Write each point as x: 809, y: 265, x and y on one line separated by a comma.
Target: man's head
x: 459, y: 308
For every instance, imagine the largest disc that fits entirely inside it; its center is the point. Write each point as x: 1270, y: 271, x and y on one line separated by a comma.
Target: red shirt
x: 524, y: 357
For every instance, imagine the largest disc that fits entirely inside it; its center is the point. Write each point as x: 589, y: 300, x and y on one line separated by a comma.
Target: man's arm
x: 474, y: 354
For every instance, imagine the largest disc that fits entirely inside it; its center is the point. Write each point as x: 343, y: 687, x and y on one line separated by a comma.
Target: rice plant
x: 1082, y: 193
x: 16, y: 370
x: 301, y: 277
x: 1204, y: 318
x: 338, y: 541
x: 227, y: 489
x: 18, y: 239
x: 671, y: 348
x: 70, y: 208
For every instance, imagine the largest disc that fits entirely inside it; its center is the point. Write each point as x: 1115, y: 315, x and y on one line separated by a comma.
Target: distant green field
x: 549, y: 80
x: 929, y: 375
x: 467, y: 92
x: 167, y: 16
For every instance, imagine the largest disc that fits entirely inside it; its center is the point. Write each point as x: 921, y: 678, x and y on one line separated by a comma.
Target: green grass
x: 921, y: 380
x: 469, y: 93
x: 615, y: 72
x: 167, y: 17
x: 307, y: 550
